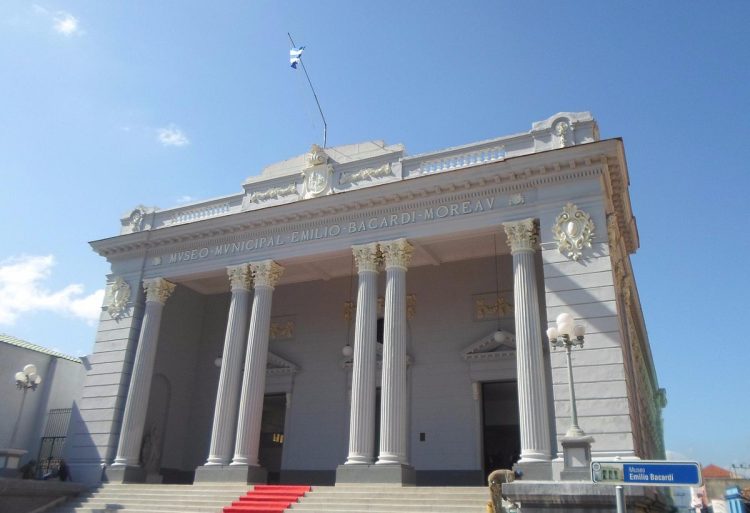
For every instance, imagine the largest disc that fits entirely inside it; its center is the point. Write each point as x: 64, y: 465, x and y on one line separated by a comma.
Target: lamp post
x: 576, y: 444
x: 25, y: 380
x: 568, y: 335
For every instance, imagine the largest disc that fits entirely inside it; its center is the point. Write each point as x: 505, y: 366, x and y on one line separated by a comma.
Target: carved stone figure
x: 120, y: 294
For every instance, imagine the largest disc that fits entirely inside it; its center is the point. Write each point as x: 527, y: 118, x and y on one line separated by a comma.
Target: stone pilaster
x: 523, y: 237
x: 362, y: 416
x: 227, y: 395
x: 393, y: 417
x: 157, y: 291
x: 266, y: 275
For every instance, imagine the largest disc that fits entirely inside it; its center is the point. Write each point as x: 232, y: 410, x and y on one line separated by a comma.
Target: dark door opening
x: 272, y: 435
x: 501, y: 430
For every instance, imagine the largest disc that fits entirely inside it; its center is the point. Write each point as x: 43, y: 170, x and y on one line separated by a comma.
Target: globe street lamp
x: 576, y: 445
x: 28, y: 378
x: 25, y: 380
x: 568, y: 335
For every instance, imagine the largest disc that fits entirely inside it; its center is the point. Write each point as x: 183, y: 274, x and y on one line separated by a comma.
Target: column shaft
x: 246, y: 447
x: 227, y: 395
x: 393, y: 416
x: 136, y: 404
x: 362, y: 416
x: 532, y: 393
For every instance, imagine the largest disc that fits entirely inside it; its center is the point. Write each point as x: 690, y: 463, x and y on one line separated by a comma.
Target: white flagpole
x: 325, y: 125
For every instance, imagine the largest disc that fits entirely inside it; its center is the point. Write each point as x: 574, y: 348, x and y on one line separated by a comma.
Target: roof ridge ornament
x: 317, y: 156
x: 316, y: 177
x: 574, y: 231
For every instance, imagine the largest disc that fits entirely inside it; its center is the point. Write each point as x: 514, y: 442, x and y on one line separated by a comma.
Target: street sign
x: 646, y: 473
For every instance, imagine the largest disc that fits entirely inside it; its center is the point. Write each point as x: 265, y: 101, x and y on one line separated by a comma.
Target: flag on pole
x: 295, y: 54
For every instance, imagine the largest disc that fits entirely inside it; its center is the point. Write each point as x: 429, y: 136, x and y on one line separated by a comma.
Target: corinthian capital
x: 396, y: 253
x: 266, y: 273
x: 367, y: 257
x: 240, y: 277
x: 522, y: 235
x: 157, y: 289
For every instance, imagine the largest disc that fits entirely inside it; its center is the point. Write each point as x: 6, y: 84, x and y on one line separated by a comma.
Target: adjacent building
x: 358, y: 314
x: 35, y: 419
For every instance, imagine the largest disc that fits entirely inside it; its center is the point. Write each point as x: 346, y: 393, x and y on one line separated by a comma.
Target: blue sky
x: 107, y: 105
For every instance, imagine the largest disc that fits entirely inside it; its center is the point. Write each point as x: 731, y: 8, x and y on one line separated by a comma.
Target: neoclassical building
x: 357, y: 314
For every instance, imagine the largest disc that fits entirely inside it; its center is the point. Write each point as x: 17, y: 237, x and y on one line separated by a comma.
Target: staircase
x: 235, y: 498
x: 155, y: 498
x: 391, y: 499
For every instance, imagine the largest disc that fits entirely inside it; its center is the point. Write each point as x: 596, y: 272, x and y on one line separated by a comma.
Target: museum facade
x: 356, y: 314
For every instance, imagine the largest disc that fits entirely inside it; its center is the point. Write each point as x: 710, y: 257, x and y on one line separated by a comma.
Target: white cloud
x: 172, y: 135
x: 66, y: 24
x: 185, y: 198
x: 62, y: 22
x: 22, y: 290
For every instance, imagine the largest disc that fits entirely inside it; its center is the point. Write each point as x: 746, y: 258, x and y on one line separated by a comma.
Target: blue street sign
x: 646, y: 473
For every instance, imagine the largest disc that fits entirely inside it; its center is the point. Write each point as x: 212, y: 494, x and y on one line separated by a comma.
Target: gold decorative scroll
x: 493, y: 306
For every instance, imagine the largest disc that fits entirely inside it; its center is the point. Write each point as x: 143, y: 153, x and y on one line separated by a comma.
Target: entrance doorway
x: 500, y: 425
x: 272, y: 435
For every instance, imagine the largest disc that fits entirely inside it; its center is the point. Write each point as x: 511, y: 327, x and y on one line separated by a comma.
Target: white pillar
x: 393, y: 414
x: 362, y: 416
x: 266, y: 275
x: 227, y: 395
x: 136, y: 404
x: 523, y: 239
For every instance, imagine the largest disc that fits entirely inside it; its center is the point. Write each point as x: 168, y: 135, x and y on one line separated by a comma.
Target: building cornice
x: 515, y: 174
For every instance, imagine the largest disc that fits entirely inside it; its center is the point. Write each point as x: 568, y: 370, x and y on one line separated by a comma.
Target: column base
x: 535, y: 470
x: 396, y: 475
x: 124, y: 474
x: 231, y: 474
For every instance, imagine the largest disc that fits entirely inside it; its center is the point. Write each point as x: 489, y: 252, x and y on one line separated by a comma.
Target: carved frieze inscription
x: 332, y: 230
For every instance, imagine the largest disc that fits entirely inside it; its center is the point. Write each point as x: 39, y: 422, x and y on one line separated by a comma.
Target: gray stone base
x: 20, y: 495
x: 397, y: 475
x: 569, y: 497
x: 577, y: 458
x: 535, y: 470
x: 576, y: 474
x: 231, y: 474
x: 124, y: 474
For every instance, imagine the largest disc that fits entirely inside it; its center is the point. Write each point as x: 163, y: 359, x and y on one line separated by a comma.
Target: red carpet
x: 267, y: 499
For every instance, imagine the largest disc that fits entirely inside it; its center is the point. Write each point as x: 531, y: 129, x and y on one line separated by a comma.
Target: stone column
x: 125, y: 466
x: 362, y: 416
x: 393, y: 416
x: 523, y: 238
x: 266, y: 275
x: 227, y: 395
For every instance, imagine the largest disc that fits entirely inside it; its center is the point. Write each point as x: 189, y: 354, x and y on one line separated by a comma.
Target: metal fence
x: 53, y: 442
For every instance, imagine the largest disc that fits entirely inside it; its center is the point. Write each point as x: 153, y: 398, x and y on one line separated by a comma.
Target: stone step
x: 398, y: 495
x: 365, y: 508
x: 406, y: 501
x: 149, y: 509
x: 155, y: 495
x: 96, y: 501
x: 128, y: 498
